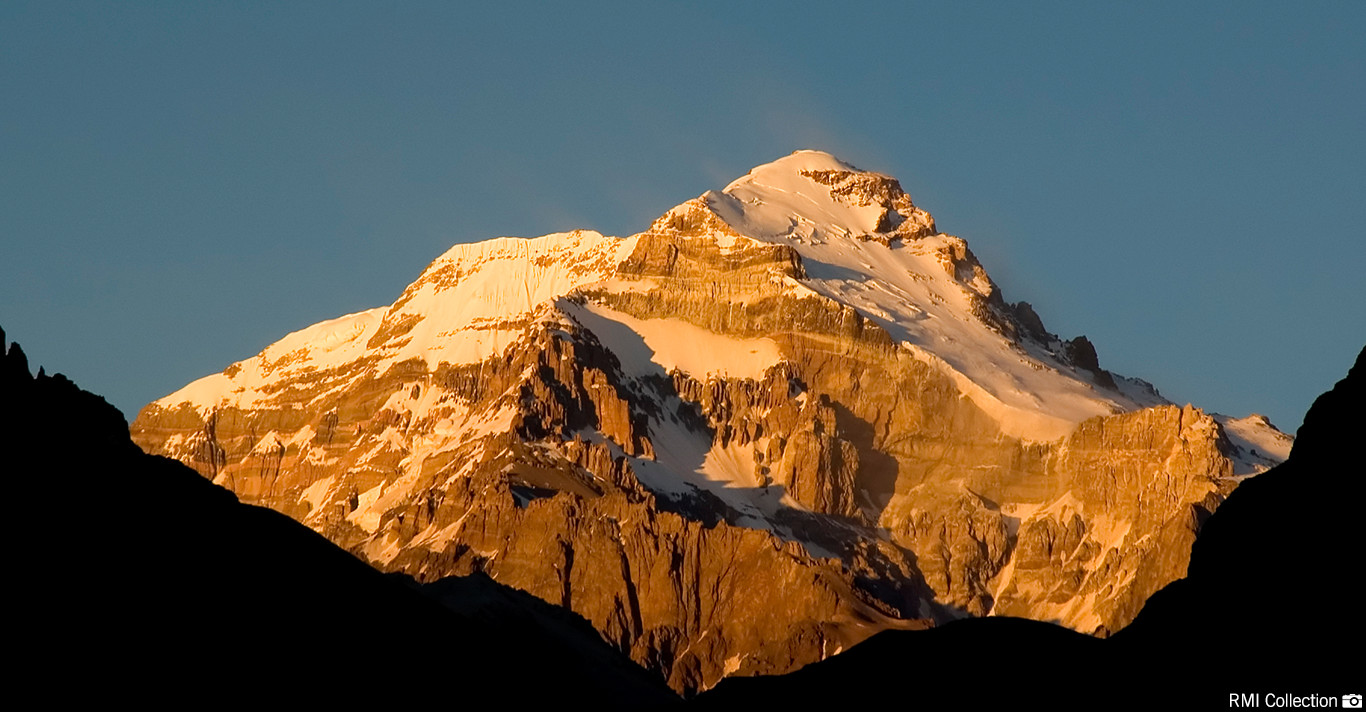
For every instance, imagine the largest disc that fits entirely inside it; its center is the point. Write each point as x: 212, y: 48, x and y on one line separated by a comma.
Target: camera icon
x: 1351, y: 701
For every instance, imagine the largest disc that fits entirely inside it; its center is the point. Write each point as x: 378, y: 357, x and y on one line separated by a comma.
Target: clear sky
x: 183, y: 183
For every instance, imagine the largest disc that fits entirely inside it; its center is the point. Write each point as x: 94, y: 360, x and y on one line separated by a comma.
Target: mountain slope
x: 1260, y: 612
x: 793, y: 389
x: 151, y: 582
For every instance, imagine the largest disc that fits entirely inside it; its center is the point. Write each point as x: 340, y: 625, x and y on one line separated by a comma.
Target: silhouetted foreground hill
x: 135, y: 578
x: 132, y: 577
x: 1271, y: 605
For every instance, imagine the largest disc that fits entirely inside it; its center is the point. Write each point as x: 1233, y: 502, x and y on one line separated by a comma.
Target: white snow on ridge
x: 905, y: 290
x: 644, y: 344
x: 908, y: 290
x: 1016, y: 419
x: 1260, y: 444
x: 470, y: 303
x: 327, y: 344
x: 775, y: 201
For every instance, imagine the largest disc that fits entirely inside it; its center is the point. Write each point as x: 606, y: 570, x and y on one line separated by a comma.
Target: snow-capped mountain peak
x: 862, y: 242
x: 814, y: 196
x: 795, y: 379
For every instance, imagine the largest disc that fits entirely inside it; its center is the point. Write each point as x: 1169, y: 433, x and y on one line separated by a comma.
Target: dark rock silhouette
x: 132, y: 577
x: 1270, y: 605
x: 135, y: 578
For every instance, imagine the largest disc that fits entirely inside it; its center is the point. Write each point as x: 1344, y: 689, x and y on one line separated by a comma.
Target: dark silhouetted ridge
x: 138, y: 579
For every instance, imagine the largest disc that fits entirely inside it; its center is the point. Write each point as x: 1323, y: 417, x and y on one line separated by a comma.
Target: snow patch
x: 1259, y: 444
x: 674, y: 344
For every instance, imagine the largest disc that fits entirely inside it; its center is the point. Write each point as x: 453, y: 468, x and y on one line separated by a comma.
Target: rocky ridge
x: 795, y: 389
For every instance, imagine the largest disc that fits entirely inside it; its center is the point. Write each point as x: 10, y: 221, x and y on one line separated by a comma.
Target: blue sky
x: 183, y: 183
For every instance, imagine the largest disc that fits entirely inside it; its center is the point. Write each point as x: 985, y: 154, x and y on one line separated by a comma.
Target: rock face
x: 169, y: 578
x: 1259, y: 613
x: 786, y: 416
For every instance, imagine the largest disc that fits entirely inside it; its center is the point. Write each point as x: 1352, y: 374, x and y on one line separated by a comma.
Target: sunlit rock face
x: 789, y: 414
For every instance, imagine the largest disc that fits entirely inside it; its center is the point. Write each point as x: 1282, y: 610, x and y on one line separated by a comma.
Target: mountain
x: 1267, y: 609
x: 145, y: 581
x: 786, y: 416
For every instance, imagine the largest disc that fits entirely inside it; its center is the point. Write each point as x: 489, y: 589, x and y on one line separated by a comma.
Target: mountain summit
x: 795, y: 389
